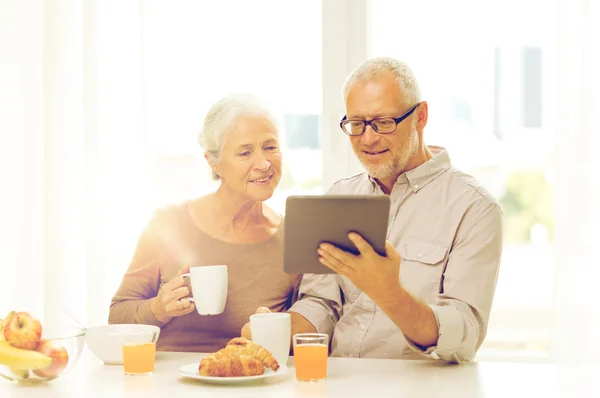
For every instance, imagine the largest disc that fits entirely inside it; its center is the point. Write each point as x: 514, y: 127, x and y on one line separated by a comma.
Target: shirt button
x: 419, y: 254
x: 363, y: 326
x: 416, y: 186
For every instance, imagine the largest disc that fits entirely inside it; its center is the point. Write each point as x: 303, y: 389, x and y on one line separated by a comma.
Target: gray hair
x: 223, y: 117
x: 374, y: 67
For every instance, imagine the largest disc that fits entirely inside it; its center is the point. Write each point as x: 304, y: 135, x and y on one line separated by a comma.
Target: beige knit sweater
x: 172, y: 241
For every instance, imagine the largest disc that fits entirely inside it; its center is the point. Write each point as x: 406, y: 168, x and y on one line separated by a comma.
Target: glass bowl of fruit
x: 30, y: 353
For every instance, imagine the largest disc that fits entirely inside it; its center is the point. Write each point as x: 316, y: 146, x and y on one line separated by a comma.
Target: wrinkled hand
x: 373, y: 274
x: 246, y: 332
x: 172, y: 299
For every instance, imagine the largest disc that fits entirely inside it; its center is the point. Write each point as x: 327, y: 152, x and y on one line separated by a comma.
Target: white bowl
x: 106, y: 342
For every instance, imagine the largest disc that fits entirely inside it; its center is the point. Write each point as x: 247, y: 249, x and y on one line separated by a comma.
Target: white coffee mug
x: 208, y: 285
x: 273, y: 331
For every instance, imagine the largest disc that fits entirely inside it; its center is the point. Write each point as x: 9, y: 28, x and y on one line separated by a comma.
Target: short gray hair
x: 374, y: 67
x: 222, y: 118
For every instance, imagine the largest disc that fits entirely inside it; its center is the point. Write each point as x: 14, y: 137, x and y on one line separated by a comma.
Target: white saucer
x: 191, y: 370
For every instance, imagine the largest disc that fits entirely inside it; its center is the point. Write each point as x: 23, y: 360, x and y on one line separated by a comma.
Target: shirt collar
x: 426, y: 172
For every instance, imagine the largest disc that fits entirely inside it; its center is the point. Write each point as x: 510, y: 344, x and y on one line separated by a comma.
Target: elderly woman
x: 231, y: 226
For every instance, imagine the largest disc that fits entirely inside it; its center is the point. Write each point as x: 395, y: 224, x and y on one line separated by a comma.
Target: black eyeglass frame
x: 366, y: 123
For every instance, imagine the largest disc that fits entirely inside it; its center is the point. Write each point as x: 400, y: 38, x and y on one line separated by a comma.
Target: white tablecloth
x: 347, y: 377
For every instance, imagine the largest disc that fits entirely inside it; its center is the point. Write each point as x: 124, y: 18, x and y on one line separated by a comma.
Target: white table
x: 347, y: 377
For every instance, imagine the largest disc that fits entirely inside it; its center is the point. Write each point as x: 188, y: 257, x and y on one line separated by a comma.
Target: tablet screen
x: 311, y: 220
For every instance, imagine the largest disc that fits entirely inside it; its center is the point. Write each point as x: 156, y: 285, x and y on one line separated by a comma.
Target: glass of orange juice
x: 311, y: 351
x: 139, y: 356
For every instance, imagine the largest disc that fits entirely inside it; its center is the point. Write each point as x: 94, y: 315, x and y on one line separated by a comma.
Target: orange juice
x: 310, y: 361
x: 139, y: 358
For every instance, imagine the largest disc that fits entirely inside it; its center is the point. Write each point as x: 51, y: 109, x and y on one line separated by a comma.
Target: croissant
x: 240, y: 357
x: 226, y: 364
x: 247, y: 347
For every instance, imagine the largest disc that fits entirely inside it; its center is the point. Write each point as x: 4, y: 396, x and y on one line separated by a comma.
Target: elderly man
x: 432, y: 293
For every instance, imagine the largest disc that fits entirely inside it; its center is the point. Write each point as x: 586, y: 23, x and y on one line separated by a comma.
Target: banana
x: 18, y: 360
x: 20, y: 373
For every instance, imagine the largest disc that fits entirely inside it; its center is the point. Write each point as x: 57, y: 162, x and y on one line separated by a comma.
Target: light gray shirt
x: 448, y: 231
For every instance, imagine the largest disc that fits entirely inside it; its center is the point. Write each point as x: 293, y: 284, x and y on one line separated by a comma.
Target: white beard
x: 397, y: 164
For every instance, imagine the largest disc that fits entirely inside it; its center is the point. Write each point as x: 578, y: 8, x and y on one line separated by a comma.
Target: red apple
x: 21, y: 330
x: 59, y: 355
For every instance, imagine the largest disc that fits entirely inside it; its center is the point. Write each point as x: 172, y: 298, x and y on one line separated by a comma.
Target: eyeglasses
x: 383, y: 125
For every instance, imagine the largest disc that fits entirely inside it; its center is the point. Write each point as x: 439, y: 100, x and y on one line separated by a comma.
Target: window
x: 532, y: 87
x: 484, y: 84
x: 194, y: 54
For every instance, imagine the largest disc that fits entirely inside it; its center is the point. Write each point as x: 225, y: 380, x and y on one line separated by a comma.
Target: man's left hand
x: 373, y: 274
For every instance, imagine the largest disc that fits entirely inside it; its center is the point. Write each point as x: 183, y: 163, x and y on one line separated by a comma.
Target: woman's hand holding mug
x: 208, y: 284
x: 172, y: 299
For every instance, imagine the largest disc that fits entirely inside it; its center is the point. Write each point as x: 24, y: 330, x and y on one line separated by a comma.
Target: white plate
x: 191, y: 370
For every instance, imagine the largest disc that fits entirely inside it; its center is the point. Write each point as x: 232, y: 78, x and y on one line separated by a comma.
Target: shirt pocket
x: 422, y: 266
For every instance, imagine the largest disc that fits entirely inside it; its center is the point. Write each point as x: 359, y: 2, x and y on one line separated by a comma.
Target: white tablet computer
x: 310, y: 220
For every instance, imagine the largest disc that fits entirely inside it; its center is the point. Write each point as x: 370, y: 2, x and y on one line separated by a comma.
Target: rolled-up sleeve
x: 462, y: 308
x: 319, y: 301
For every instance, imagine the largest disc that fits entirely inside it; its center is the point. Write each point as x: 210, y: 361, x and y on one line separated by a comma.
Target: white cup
x: 208, y: 285
x: 273, y: 331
